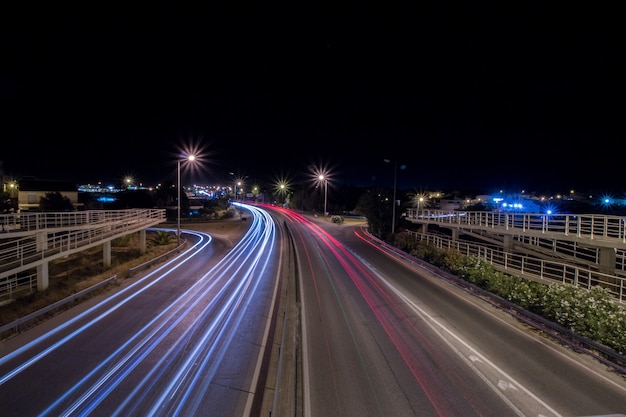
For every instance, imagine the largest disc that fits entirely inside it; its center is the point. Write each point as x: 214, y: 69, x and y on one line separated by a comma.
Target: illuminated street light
x: 322, y: 178
x: 282, y: 190
x: 238, y: 183
x: 321, y: 175
x: 190, y: 158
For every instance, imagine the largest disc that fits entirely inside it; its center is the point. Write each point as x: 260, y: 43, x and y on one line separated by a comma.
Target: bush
x: 162, y: 237
x: 230, y: 212
x: 589, y: 313
x: 336, y: 219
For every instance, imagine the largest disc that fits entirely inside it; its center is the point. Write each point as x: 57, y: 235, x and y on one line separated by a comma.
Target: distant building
x: 30, y: 191
x: 451, y: 204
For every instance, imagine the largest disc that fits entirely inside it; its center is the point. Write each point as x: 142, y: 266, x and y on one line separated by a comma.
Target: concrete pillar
x: 455, y: 234
x: 507, y: 243
x: 106, y: 254
x: 42, y: 276
x: 42, y: 270
x: 42, y: 241
x: 607, y: 260
x: 142, y: 241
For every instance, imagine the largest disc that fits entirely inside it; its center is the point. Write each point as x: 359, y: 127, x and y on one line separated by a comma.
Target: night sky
x: 468, y: 97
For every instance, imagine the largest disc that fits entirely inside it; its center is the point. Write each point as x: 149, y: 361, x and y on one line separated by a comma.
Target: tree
x: 7, y: 204
x: 55, y: 201
x: 376, y: 205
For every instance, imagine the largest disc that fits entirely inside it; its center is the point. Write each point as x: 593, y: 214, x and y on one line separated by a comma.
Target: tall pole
x: 187, y: 158
x: 393, y: 211
x: 325, y: 195
x: 323, y: 178
x: 178, y: 207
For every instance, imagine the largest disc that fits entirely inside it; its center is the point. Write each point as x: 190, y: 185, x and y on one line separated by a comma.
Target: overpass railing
x: 587, y: 226
x: 542, y: 270
x: 33, y: 221
x: 53, y: 233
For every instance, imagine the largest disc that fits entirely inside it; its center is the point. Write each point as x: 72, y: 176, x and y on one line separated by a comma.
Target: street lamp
x: 325, y: 180
x: 395, y: 178
x: 188, y: 158
x: 238, y: 183
x: 420, y: 199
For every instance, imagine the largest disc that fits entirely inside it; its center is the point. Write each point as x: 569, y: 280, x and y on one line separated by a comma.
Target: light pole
x: 188, y: 158
x: 323, y: 178
x: 238, y: 183
x: 419, y: 200
x: 393, y: 210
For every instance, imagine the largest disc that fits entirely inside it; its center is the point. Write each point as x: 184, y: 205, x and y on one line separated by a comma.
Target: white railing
x: 587, y: 226
x: 542, y: 270
x: 17, y: 282
x: 28, y: 222
x: 55, y: 233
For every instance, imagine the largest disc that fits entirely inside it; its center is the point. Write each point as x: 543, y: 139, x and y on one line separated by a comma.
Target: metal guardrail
x: 542, y: 270
x: 16, y: 323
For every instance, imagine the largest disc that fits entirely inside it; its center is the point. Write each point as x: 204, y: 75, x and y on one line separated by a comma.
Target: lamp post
x: 323, y: 178
x: 393, y: 210
x: 188, y: 158
x: 420, y: 199
x: 282, y: 192
x: 238, y: 183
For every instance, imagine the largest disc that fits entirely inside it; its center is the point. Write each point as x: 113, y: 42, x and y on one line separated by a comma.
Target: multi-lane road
x: 300, y: 317
x: 382, y: 336
x: 184, y: 339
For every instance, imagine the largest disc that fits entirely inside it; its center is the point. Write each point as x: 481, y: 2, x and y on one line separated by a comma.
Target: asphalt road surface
x: 297, y: 317
x: 383, y: 336
x: 187, y: 338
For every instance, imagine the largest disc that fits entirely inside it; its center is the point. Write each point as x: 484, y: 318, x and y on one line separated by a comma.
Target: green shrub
x: 589, y: 313
x: 336, y: 219
x: 161, y: 237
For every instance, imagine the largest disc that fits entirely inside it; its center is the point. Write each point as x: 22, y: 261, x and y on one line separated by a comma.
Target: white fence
x: 604, y: 229
x: 541, y: 270
x: 29, y: 238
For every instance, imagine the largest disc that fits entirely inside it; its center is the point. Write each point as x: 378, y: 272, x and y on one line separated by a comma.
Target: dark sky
x: 466, y: 96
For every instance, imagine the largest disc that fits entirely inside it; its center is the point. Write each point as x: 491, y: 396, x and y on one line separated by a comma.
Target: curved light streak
x: 382, y: 298
x: 205, y: 340
x: 124, y: 296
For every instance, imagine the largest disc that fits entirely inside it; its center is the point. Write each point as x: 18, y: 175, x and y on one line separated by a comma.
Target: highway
x: 382, y: 336
x: 185, y: 339
x: 320, y: 317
